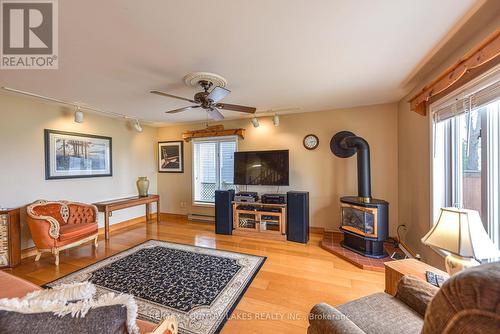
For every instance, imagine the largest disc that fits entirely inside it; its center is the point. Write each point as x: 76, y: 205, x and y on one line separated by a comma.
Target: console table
x: 395, y: 270
x: 122, y: 203
x: 10, y: 238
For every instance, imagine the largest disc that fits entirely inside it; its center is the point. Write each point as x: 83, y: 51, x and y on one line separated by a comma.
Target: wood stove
x: 364, y: 220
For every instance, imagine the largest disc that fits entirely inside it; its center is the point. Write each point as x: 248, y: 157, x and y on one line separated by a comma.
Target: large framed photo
x: 71, y: 155
x: 171, y: 157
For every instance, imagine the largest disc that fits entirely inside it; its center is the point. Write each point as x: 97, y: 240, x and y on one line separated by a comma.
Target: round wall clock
x: 311, y: 142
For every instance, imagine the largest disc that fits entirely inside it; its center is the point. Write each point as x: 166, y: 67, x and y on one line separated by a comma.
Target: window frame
x: 482, y: 81
x: 219, y: 139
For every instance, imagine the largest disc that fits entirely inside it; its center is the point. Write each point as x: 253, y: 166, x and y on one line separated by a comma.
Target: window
x: 466, y: 150
x: 213, y: 167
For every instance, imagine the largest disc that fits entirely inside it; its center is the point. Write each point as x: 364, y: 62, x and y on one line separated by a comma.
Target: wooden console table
x: 395, y: 270
x: 122, y: 203
x: 10, y: 238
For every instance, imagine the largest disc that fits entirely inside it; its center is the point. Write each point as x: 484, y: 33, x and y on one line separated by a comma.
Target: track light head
x: 78, y: 115
x: 276, y: 120
x: 138, y: 126
x: 255, y: 122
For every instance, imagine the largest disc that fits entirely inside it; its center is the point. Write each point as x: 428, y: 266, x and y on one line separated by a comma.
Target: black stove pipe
x: 363, y: 153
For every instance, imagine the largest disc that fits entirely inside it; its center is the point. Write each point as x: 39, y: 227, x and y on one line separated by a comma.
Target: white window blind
x: 468, y: 99
x: 213, y: 167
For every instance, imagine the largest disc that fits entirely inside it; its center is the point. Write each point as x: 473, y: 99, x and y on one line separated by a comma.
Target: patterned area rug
x: 200, y: 286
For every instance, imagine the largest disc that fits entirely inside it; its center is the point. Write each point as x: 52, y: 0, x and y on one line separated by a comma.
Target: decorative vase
x: 143, y: 186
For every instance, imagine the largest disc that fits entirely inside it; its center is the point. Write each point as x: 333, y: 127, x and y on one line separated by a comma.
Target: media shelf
x: 259, y: 220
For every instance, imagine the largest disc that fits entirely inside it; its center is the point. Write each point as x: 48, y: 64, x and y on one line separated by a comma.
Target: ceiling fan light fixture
x: 78, y: 115
x: 255, y: 122
x: 213, y: 92
x: 138, y: 126
x: 276, y: 120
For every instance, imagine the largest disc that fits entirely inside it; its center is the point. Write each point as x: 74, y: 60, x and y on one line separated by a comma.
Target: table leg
x: 158, y: 211
x: 106, y: 224
x: 148, y: 214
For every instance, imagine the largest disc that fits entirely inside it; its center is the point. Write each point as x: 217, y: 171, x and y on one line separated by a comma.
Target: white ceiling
x: 312, y: 55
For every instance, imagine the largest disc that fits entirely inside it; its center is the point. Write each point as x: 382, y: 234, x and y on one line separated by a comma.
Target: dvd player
x: 246, y: 207
x: 274, y: 198
x: 265, y: 209
x: 246, y: 196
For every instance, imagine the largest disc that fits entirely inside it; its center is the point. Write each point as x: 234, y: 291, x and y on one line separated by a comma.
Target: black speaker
x: 224, y: 211
x: 297, y: 216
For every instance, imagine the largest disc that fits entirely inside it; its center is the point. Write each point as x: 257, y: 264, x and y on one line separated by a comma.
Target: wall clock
x: 311, y: 142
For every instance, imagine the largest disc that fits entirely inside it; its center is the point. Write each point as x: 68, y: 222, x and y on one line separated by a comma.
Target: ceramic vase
x: 142, y: 186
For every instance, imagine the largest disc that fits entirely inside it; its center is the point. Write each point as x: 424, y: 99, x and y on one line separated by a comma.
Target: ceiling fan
x: 209, y: 101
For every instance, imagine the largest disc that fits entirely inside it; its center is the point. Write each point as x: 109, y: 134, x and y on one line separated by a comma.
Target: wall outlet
x: 183, y: 204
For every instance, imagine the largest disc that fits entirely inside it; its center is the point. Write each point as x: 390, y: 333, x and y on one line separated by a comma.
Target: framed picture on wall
x: 171, y: 157
x: 71, y: 155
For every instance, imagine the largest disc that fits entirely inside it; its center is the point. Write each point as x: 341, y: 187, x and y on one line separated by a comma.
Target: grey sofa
x: 469, y: 302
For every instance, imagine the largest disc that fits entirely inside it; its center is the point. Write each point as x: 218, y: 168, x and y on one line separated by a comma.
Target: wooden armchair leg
x: 96, y: 242
x: 38, y: 255
x: 56, y: 254
x: 167, y: 326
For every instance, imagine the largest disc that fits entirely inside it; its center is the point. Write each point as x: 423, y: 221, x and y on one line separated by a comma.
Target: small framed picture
x: 171, y: 157
x: 70, y: 155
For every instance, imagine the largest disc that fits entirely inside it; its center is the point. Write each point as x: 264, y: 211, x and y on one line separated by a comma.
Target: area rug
x: 199, y: 286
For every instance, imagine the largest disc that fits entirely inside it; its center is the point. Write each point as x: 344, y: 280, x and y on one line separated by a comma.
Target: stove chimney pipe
x: 344, y: 145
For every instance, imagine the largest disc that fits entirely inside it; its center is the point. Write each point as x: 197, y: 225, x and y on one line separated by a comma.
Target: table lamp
x: 461, y: 233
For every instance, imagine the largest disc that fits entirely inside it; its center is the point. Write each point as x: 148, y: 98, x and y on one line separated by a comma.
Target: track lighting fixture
x: 78, y: 115
x: 276, y: 120
x: 137, y: 126
x: 255, y: 122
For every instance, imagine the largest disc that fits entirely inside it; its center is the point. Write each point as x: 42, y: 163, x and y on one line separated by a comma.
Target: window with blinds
x: 213, y: 167
x: 466, y: 151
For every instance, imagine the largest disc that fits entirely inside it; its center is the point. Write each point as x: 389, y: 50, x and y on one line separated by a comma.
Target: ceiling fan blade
x: 218, y: 93
x: 175, y: 111
x: 235, y: 107
x: 215, y: 114
x: 169, y: 95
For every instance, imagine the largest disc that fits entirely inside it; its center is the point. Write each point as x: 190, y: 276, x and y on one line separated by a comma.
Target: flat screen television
x: 269, y: 168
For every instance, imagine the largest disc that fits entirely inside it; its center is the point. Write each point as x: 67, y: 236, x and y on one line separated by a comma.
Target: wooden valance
x: 213, y: 131
x: 477, y: 61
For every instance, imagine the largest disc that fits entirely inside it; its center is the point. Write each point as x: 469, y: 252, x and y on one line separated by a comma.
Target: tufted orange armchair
x: 61, y: 225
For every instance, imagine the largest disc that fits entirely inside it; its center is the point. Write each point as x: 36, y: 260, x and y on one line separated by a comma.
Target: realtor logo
x: 29, y: 34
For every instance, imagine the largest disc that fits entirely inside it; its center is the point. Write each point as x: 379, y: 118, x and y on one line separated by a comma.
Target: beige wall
x: 22, y: 173
x: 414, y: 153
x: 399, y: 141
x: 325, y: 176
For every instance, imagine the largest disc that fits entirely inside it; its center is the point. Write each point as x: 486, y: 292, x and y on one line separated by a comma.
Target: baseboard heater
x: 201, y: 218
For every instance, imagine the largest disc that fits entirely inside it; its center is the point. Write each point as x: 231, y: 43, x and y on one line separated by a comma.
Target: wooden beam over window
x: 213, y: 131
x: 475, y: 62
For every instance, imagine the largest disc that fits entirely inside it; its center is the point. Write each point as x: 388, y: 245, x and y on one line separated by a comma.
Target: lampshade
x: 255, y: 122
x: 79, y: 116
x: 138, y: 126
x: 276, y: 120
x: 461, y: 232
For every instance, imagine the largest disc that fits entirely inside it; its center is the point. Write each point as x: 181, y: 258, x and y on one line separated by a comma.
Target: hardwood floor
x: 294, y: 278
